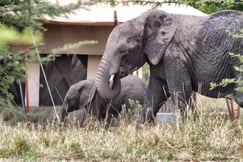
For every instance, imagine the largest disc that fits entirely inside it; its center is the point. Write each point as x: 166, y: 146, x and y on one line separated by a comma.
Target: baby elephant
x: 84, y: 95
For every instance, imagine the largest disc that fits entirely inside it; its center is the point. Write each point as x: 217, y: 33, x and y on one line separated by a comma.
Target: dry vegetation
x: 200, y: 137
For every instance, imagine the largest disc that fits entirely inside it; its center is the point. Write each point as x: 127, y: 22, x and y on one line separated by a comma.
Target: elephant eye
x: 122, y: 51
x: 157, y: 24
x: 163, y: 33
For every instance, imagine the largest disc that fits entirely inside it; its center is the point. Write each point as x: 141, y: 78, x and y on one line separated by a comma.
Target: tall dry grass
x: 201, y: 136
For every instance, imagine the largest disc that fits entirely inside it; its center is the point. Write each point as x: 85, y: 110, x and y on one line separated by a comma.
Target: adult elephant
x: 185, y: 54
x: 83, y: 95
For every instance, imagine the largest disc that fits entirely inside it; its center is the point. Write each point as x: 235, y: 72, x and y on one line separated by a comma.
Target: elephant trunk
x: 107, y: 80
x: 64, y: 111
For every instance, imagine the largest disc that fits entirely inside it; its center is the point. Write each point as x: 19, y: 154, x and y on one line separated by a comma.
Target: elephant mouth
x: 123, y: 73
x: 114, y: 79
x: 126, y: 70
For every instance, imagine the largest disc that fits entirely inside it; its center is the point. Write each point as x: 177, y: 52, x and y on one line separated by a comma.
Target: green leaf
x: 239, y: 89
x: 239, y: 69
x: 212, y: 85
x: 227, y: 81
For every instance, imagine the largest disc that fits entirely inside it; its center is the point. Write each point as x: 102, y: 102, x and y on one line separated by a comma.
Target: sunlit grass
x: 199, y: 137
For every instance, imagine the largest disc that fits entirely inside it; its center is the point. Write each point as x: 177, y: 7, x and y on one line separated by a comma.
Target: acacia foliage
x: 210, y: 6
x: 17, y: 25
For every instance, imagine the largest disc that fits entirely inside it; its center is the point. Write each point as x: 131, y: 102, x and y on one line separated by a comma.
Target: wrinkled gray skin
x: 84, y: 95
x: 185, y: 54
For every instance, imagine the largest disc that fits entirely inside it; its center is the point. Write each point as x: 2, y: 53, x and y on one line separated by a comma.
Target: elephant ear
x: 159, y: 29
x: 87, y: 93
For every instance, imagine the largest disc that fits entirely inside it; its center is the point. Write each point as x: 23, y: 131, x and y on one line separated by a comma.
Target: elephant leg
x: 156, y: 95
x: 180, y: 88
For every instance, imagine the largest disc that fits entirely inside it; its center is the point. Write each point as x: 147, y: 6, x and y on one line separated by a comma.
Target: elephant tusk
x: 111, y: 80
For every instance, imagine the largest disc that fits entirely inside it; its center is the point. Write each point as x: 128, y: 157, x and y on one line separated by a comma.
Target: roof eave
x: 78, y: 23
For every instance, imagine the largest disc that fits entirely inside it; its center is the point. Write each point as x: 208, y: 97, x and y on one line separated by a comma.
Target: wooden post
x: 26, y: 83
x: 115, y: 19
x: 33, y: 80
x: 32, y: 72
x: 232, y: 110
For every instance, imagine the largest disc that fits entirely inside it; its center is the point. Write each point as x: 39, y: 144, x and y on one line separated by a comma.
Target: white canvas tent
x: 101, y: 13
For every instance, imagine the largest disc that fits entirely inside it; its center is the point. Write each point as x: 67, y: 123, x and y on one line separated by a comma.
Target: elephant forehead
x: 72, y: 92
x: 127, y: 29
x: 76, y: 86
